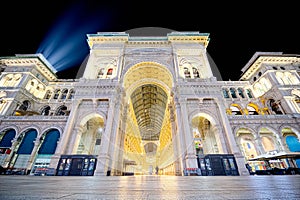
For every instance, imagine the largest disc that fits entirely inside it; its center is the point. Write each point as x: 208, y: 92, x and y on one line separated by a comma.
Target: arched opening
x: 46, y: 110
x: 252, y: 109
x: 90, y: 136
x: 48, y: 144
x: 62, y: 110
x: 235, y: 109
x: 23, y: 150
x: 204, y: 136
x: 294, y: 146
x: 268, y: 143
x: 247, y: 143
x: 148, y: 145
x: 6, y: 138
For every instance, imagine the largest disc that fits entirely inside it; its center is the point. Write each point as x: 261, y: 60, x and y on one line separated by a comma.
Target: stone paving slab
x: 277, y: 187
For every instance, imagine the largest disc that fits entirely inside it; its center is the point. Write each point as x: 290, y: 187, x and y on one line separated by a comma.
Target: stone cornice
x: 36, y: 60
x: 257, y: 60
x: 106, y: 38
x: 263, y: 119
x: 148, y: 42
x: 36, y: 118
x: 189, y: 37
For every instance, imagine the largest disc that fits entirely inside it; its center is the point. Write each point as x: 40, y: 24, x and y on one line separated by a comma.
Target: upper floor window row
x: 237, y: 93
x: 287, y: 78
x: 60, y: 94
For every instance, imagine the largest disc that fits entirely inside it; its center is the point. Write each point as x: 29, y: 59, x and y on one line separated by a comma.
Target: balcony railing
x: 34, y: 118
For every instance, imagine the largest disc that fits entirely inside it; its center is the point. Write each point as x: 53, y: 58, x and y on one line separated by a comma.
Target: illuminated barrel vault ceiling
x: 148, y: 86
x: 149, y: 104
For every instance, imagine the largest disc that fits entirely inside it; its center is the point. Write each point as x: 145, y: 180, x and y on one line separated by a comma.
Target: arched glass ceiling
x: 149, y: 104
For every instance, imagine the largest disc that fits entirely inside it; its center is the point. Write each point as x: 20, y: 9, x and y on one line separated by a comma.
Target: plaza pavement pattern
x: 152, y: 187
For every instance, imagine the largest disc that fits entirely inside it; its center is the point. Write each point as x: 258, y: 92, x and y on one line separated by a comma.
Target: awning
x: 280, y: 155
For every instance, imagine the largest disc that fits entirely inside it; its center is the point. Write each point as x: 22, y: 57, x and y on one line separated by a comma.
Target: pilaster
x: 104, y: 157
x: 180, y: 134
x: 33, y: 154
x: 176, y: 143
x: 190, y: 157
x: 115, y: 137
x: 232, y: 146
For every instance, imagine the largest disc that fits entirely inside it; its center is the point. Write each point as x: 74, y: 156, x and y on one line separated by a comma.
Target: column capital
x: 37, y: 142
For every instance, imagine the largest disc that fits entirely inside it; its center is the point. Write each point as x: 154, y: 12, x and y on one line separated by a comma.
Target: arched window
x: 225, y: 93
x: 71, y: 96
x: 11, y: 80
x: 27, y: 143
x: 291, y: 78
x: 6, y: 139
x: 25, y: 105
x: 49, y: 142
x: 268, y: 144
x: 249, y: 93
x: 100, y: 73
x: 109, y: 71
x: 196, y: 73
x: 56, y: 94
x: 241, y: 92
x: 258, y: 89
x: 265, y: 83
x: 46, y: 110
x: 8, y: 80
x: 294, y: 146
x: 62, y: 110
x: 187, y: 73
x: 232, y: 92
x: 64, y: 93
x: 275, y: 107
x: 252, y: 110
x: 287, y: 78
x: 48, y: 94
x: 235, y: 110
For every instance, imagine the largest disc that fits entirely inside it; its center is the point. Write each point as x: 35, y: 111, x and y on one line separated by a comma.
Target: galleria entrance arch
x: 148, y: 146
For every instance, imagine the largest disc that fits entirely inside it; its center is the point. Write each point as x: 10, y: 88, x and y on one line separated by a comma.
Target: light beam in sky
x: 65, y: 44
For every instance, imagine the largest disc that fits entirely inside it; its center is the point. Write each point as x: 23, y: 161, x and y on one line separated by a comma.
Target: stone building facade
x: 146, y: 104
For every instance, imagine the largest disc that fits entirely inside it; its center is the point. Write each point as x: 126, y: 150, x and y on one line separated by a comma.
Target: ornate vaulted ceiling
x: 149, y: 104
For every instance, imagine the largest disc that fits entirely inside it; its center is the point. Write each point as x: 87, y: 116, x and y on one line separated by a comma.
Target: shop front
x: 281, y: 163
x: 218, y: 165
x: 76, y: 165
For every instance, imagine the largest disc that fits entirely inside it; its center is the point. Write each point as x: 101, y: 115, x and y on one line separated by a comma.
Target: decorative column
x: 179, y: 137
x: 75, y: 139
x: 176, y: 144
x: 118, y: 168
x: 115, y: 137
x: 282, y: 144
x: 258, y: 145
x: 190, y: 157
x: 33, y: 154
x: 103, y: 158
x: 12, y: 152
x: 220, y: 139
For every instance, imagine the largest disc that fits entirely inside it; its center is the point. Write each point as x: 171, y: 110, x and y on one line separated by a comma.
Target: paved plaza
x: 265, y: 187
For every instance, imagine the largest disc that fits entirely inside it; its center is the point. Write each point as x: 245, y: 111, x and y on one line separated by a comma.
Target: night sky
x: 237, y: 30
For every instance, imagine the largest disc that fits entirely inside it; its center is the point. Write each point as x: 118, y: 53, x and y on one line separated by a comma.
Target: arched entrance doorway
x: 90, y: 135
x: 148, y: 147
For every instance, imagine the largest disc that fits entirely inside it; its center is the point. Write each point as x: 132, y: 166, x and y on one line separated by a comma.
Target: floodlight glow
x: 65, y: 45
